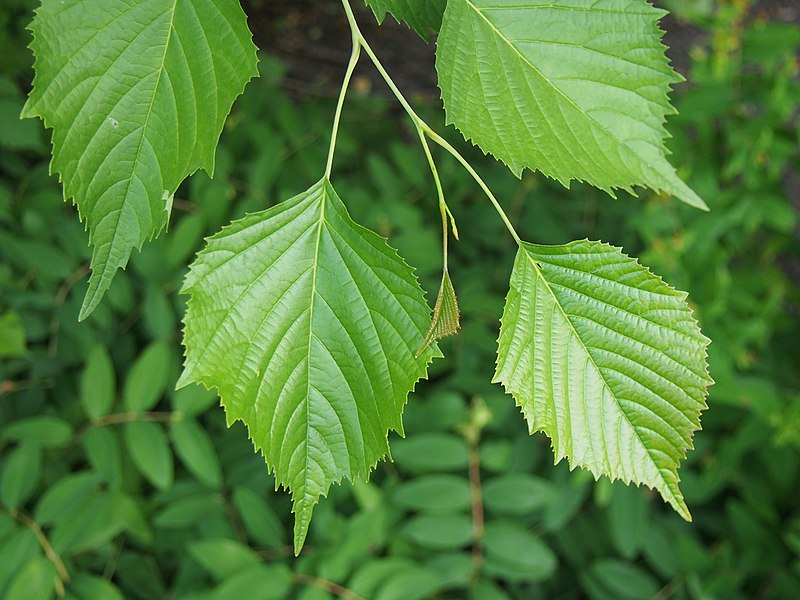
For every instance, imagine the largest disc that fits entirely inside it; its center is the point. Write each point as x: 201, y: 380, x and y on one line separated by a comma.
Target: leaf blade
x: 302, y: 282
x: 639, y: 356
x: 542, y: 85
x: 116, y: 83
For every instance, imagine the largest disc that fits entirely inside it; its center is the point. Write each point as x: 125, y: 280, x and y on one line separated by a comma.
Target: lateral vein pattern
x: 136, y: 92
x: 307, y: 324
x: 607, y: 360
x: 577, y: 89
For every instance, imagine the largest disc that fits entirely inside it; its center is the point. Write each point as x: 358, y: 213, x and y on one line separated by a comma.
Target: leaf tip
x: 302, y: 519
x: 185, y: 379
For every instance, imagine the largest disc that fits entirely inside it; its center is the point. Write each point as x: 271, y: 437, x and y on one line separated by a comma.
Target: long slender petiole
x: 351, y: 66
x: 425, y: 130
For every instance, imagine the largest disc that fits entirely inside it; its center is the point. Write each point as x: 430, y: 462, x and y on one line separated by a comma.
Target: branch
x: 49, y: 551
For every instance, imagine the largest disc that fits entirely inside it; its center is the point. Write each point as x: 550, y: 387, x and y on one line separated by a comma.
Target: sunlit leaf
x: 576, y: 89
x: 136, y: 92
x: 307, y: 324
x: 607, y: 360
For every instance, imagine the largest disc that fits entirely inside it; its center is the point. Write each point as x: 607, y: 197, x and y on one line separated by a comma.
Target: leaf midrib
x: 561, y: 310
x: 91, y: 302
x: 312, y: 295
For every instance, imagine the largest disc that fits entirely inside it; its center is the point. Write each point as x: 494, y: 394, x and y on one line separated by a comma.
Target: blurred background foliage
x: 113, y: 485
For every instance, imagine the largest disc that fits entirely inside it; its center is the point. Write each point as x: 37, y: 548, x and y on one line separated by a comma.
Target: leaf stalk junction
x: 424, y: 131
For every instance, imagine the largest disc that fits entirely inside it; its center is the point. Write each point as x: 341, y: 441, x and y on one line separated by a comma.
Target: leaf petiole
x: 424, y: 130
x: 355, y: 54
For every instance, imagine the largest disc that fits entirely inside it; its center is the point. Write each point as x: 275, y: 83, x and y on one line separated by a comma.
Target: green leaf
x: 372, y: 573
x: 578, y: 90
x: 431, y: 452
x: 446, y: 316
x: 423, y: 16
x: 36, y: 580
x: 607, y: 360
x: 222, y: 558
x: 258, y: 518
x: 98, y: 383
x: 12, y: 335
x: 46, y: 431
x: 149, y: 449
x: 88, y: 587
x: 267, y: 582
x: 628, y: 521
x: 17, y: 550
x: 189, y: 511
x: 515, y: 554
x: 434, y: 493
x: 193, y: 401
x: 613, y: 579
x: 517, y: 494
x: 307, y: 324
x: 65, y: 497
x: 147, y: 378
x: 417, y: 583
x: 94, y: 524
x: 196, y: 451
x: 20, y: 474
x: 441, y: 532
x: 136, y: 94
x: 104, y: 454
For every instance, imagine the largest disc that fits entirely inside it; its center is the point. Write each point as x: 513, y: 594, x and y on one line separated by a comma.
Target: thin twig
x: 49, y: 551
x: 129, y: 417
x: 479, y: 417
x: 328, y: 586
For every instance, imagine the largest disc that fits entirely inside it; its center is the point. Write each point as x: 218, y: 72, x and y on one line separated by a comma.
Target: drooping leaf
x: 423, y: 16
x: 307, y: 324
x: 136, y: 92
x: 577, y: 89
x: 446, y: 316
x: 607, y: 360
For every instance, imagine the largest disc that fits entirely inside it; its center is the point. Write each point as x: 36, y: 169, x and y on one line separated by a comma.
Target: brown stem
x: 49, y: 551
x: 129, y: 417
x: 476, y: 493
x: 479, y: 417
x: 328, y: 586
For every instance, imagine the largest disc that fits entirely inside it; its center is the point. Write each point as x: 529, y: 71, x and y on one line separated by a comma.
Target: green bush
x: 114, y: 485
